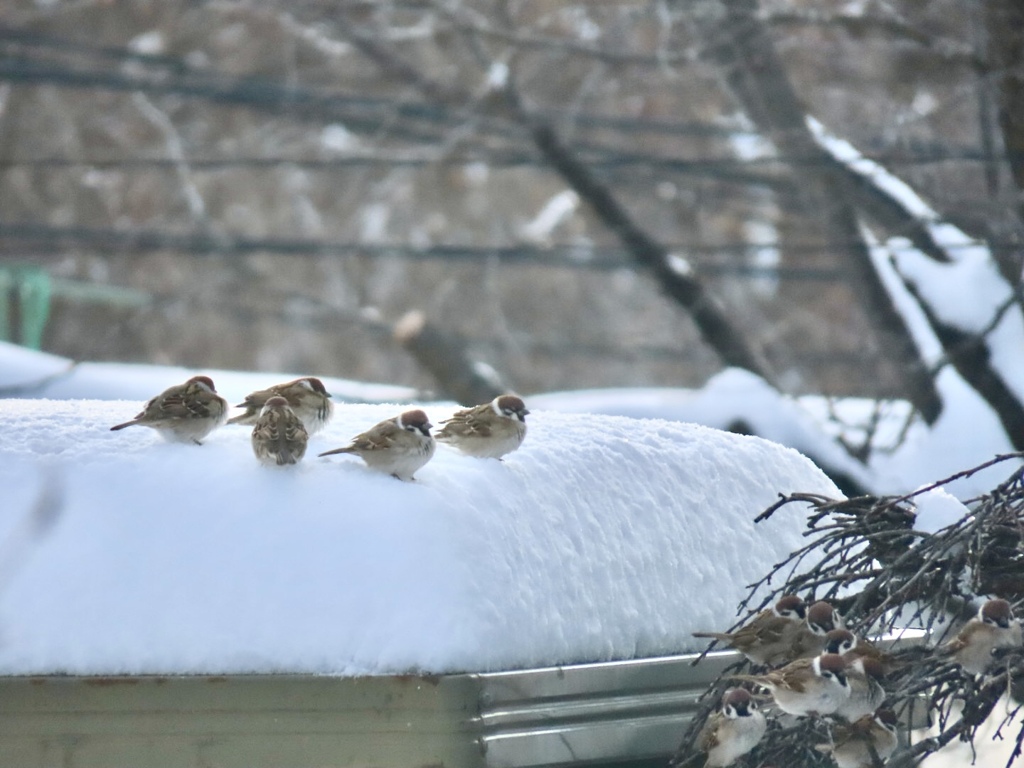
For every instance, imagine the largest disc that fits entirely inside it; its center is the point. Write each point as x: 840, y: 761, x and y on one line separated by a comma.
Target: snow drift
x: 603, y: 537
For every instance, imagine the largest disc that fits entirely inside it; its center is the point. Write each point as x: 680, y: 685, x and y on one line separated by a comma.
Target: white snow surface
x: 602, y: 538
x: 937, y: 509
x: 967, y: 433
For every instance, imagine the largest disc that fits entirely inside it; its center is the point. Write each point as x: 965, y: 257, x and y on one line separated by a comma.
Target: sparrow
x: 821, y: 618
x: 398, y: 446
x: 849, y: 646
x: 732, y: 731
x: 307, y: 397
x: 487, y: 431
x: 865, y: 675
x: 185, y: 413
x: 815, y: 686
x: 849, y: 747
x: 994, y: 627
x: 768, y: 638
x: 279, y: 436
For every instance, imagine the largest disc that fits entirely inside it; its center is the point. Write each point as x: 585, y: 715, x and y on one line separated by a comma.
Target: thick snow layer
x: 967, y: 434
x: 603, y: 537
x: 732, y: 398
x: 937, y: 509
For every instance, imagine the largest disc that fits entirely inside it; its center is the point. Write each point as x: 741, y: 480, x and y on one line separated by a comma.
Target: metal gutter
x: 613, y: 712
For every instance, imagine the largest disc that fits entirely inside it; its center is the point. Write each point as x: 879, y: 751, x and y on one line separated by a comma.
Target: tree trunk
x: 1004, y: 22
x: 739, y: 43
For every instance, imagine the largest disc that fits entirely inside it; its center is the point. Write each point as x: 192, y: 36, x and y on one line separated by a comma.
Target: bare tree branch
x: 738, y: 41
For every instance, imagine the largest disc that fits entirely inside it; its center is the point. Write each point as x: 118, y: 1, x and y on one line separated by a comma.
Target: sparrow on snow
x: 732, y: 731
x: 994, y: 627
x: 815, y: 686
x: 849, y: 747
x: 184, y: 413
x: 487, y: 431
x: 397, y: 446
x: 279, y: 436
x: 865, y: 675
x: 769, y: 637
x: 307, y: 397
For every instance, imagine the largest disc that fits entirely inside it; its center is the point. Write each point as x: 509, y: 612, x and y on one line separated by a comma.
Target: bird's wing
x: 293, y: 428
x: 708, y: 739
x: 472, y: 422
x: 254, y: 401
x: 171, y: 404
x: 380, y: 438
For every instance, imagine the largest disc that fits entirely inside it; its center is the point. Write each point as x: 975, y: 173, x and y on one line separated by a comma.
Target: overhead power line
x: 27, y: 240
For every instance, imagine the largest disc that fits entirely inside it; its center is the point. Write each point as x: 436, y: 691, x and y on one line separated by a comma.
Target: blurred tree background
x: 274, y: 185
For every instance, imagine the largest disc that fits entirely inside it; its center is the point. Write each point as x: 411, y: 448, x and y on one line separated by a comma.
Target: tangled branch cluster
x: 865, y: 557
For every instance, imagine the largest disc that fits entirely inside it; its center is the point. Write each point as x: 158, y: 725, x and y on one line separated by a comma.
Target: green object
x: 34, y: 293
x: 33, y: 289
x: 6, y: 284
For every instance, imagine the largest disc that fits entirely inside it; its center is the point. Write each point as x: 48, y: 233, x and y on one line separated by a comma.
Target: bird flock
x: 285, y: 415
x: 823, y: 670
x: 816, y: 667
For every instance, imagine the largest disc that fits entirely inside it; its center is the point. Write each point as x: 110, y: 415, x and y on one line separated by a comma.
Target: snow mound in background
x: 603, y: 537
x: 30, y: 373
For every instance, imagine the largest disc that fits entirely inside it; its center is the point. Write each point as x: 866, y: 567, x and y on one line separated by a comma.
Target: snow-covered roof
x: 602, y: 537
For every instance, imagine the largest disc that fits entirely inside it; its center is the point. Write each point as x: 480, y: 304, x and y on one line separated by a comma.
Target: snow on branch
x: 973, y: 312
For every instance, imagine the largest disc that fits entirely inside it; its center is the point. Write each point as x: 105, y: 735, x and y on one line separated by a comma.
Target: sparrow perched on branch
x: 732, y: 731
x: 279, y: 436
x: 849, y: 646
x: 487, y: 431
x: 865, y: 675
x: 821, y: 619
x: 307, y: 397
x: 994, y: 627
x: 769, y: 637
x: 398, y: 446
x: 815, y: 686
x: 845, y: 643
x: 849, y: 747
x: 184, y: 413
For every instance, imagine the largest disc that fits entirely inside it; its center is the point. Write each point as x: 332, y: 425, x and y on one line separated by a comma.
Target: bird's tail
x: 748, y: 679
x: 723, y: 636
x: 347, y: 449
